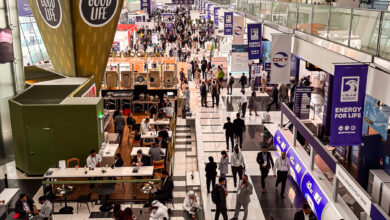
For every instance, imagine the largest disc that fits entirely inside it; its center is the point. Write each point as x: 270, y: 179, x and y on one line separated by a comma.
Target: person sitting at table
x: 118, y: 161
x: 46, y: 209
x: 145, y: 126
x: 94, y: 160
x: 164, y: 192
x: 162, y: 143
x: 140, y: 160
x: 155, y: 153
x: 24, y: 206
x: 169, y: 111
x: 130, y: 121
x: 153, y: 110
x: 120, y: 214
x: 161, y: 114
x: 163, y: 133
x: 191, y: 205
x: 158, y: 211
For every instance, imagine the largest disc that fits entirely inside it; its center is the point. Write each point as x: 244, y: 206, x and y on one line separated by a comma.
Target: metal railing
x: 362, y: 29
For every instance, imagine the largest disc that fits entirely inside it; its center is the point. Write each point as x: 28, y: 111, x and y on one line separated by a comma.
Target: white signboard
x: 238, y: 29
x: 280, y: 58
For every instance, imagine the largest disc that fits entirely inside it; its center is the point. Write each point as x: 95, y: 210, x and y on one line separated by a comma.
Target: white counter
x: 97, y: 172
x: 145, y: 151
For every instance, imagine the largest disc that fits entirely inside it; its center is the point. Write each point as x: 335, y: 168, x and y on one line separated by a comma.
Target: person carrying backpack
x: 243, y: 81
x: 218, y: 196
x: 230, y: 84
x: 215, y: 93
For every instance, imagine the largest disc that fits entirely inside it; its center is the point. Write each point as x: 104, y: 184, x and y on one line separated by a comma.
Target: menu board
x: 302, y: 102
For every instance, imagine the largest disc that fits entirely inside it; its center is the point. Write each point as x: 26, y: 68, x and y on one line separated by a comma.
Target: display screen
x: 6, y: 49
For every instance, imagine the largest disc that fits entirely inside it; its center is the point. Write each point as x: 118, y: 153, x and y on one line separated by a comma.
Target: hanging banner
x: 216, y: 16
x: 254, y: 42
x: 257, y: 74
x: 328, y: 90
x: 228, y: 23
x: 280, y: 58
x: 376, y: 116
x: 145, y: 5
x: 302, y: 99
x: 349, y: 90
x: 24, y: 9
x: 238, y: 30
x: 209, y: 11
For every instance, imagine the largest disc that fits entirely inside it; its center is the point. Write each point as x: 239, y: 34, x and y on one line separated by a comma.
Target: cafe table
x: 153, y: 135
x: 145, y: 151
x: 157, y: 122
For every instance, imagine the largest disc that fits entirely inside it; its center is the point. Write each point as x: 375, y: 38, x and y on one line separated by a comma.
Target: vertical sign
x: 145, y: 5
x: 216, y: 17
x: 254, y: 42
x: 327, y: 103
x: 302, y: 102
x: 349, y: 89
x: 209, y: 11
x: 280, y: 58
x: 228, y: 23
x: 238, y: 29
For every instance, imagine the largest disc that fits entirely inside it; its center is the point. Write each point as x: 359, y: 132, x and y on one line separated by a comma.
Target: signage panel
x: 216, y: 17
x: 296, y: 166
x: 349, y: 90
x: 238, y: 29
x: 302, y: 102
x: 280, y: 58
x: 313, y: 195
x: 254, y: 42
x: 280, y: 142
x: 228, y: 23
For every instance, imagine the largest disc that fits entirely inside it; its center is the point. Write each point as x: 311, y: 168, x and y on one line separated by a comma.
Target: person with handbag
x: 237, y: 164
x: 265, y: 161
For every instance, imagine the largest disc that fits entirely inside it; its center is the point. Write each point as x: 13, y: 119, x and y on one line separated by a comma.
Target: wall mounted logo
x: 97, y: 13
x: 349, y: 89
x: 238, y: 30
x: 51, y: 12
x: 280, y: 59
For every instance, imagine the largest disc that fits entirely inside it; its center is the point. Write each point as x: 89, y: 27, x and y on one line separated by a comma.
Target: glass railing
x: 362, y: 29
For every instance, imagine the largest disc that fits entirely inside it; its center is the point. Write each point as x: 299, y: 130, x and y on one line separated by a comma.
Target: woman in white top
x: 237, y: 163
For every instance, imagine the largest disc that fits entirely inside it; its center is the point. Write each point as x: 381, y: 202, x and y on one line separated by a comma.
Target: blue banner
x: 145, y: 5
x: 281, y: 144
x: 216, y: 17
x: 313, y: 195
x: 200, y: 5
x: 204, y: 7
x: 254, y: 42
x: 297, y: 166
x: 349, y: 90
x: 209, y: 11
x: 266, y: 48
x: 228, y: 23
x: 24, y: 9
x: 302, y: 102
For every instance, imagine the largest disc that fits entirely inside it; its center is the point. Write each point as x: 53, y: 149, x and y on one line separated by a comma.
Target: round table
x: 67, y: 209
x: 103, y: 190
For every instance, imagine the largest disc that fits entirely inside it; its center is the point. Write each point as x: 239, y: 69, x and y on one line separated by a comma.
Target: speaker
x: 111, y: 79
x: 154, y: 79
x: 169, y: 79
x: 127, y: 79
x: 140, y: 78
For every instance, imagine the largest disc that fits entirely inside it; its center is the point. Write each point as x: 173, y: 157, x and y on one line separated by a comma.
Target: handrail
x: 358, y: 28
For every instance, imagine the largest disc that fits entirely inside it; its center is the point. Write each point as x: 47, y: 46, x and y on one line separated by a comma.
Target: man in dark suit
x: 118, y: 161
x: 265, y: 161
x: 305, y: 213
x: 229, y: 133
x: 164, y: 192
x: 140, y: 160
x: 24, y: 206
x: 239, y: 128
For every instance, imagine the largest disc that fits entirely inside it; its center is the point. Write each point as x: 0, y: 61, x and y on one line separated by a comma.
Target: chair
x: 71, y: 160
x: 84, y: 199
x: 158, y: 165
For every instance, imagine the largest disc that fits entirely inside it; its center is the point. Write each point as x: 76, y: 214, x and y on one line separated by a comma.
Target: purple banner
x: 145, y: 6
x: 208, y: 11
x: 24, y: 9
x: 302, y: 99
x: 296, y: 165
x: 327, y: 103
x: 280, y: 143
x: 228, y: 23
x: 216, y: 17
x: 313, y: 195
x: 254, y: 42
x: 349, y: 90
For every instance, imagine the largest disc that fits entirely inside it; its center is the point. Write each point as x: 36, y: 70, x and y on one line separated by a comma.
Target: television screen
x: 6, y: 49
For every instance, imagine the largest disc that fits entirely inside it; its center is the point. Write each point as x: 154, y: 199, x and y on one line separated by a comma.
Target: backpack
x: 215, y: 92
x: 214, y: 195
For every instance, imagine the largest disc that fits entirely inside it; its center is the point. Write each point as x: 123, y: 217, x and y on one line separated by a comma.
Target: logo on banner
x: 97, y: 13
x: 349, y: 89
x: 238, y: 30
x: 229, y: 19
x: 254, y: 34
x: 51, y: 12
x: 280, y: 59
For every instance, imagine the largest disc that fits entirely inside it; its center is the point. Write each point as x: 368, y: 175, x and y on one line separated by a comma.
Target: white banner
x: 238, y: 29
x: 280, y: 58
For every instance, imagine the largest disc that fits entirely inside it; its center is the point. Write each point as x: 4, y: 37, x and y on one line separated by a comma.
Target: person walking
x: 230, y: 84
x: 203, y: 67
x: 218, y: 197
x: 237, y: 163
x: 282, y: 165
x: 223, y: 164
x: 264, y: 76
x: 229, y: 133
x: 275, y: 97
x: 265, y: 161
x: 252, y: 104
x: 203, y: 94
x: 243, y: 102
x: 120, y: 123
x: 215, y: 90
x: 243, y: 81
x: 239, y: 128
x: 220, y: 76
x: 243, y: 197
x: 211, y: 173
